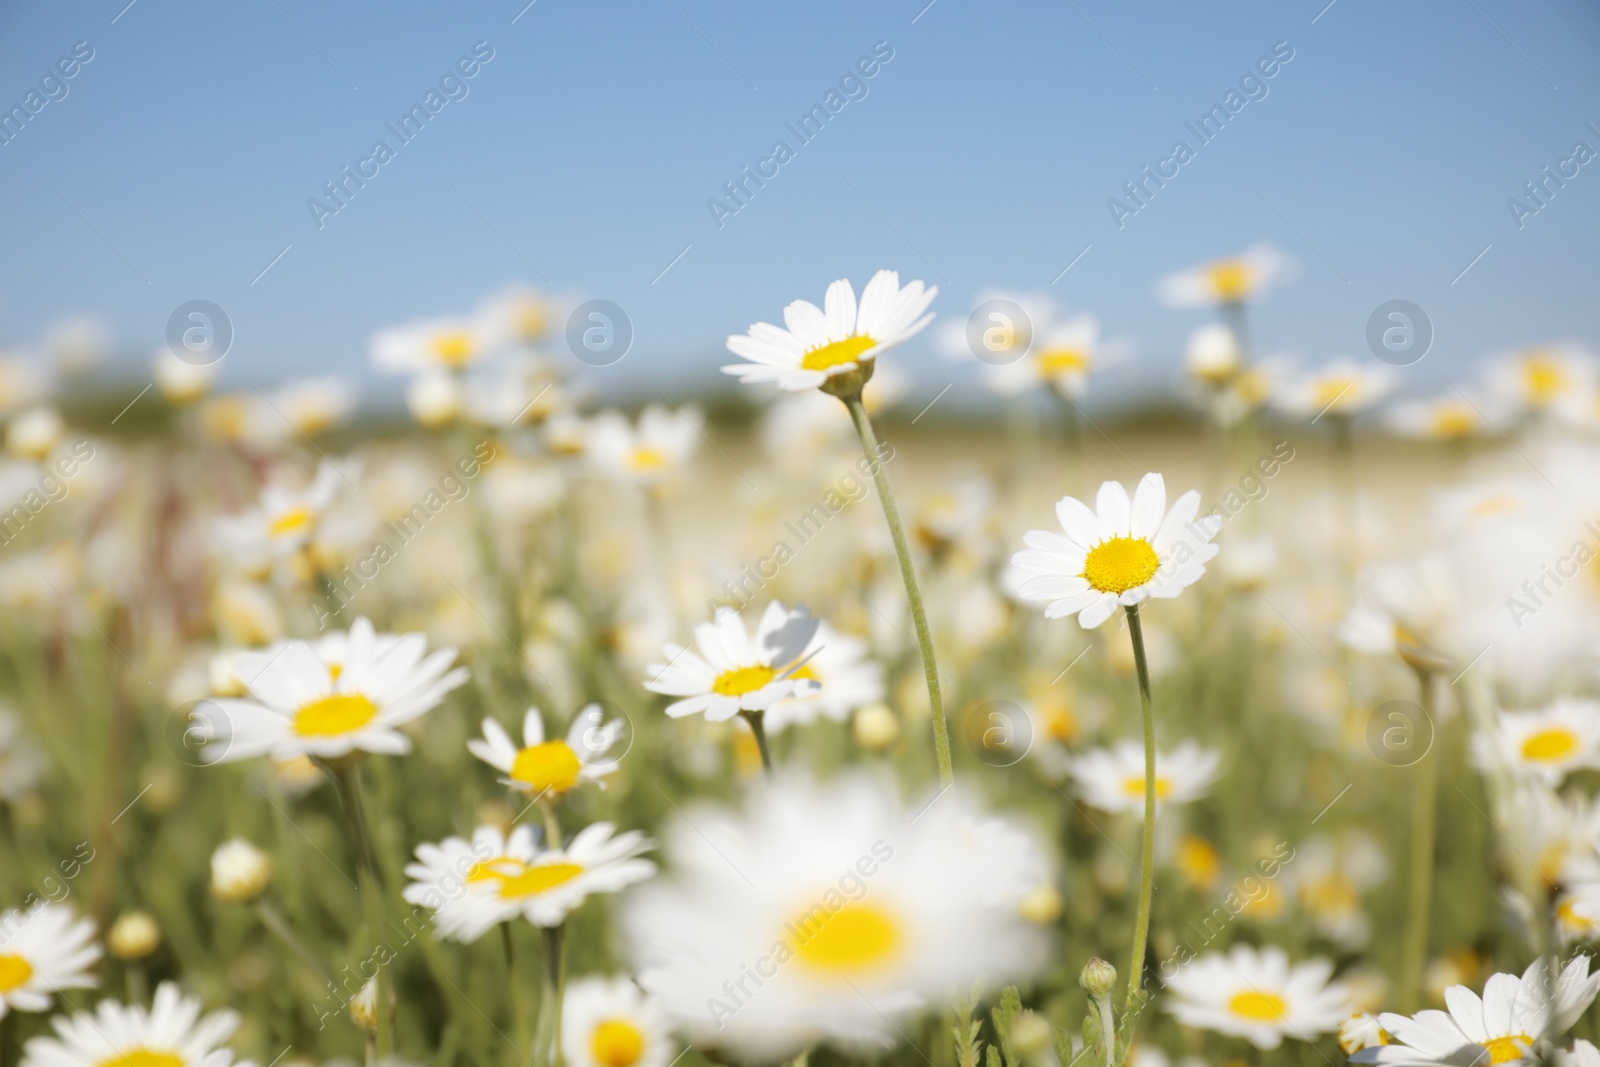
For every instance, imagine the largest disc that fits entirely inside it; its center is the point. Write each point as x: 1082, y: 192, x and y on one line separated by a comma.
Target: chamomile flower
x: 662, y: 442
x: 838, y: 338
x: 300, y: 409
x: 43, y: 949
x: 283, y: 520
x: 1549, y: 743
x: 448, y: 344
x: 611, y: 1022
x: 1341, y: 387
x: 179, y: 380
x: 1451, y: 416
x: 1232, y: 280
x: 853, y: 909
x: 1499, y: 1028
x: 1257, y: 994
x: 1542, y: 378
x: 731, y: 672
x: 519, y: 314
x: 1112, y: 779
x: 1329, y: 878
x: 171, y: 1033
x: 1577, y: 914
x: 1062, y: 356
x: 1582, y: 1054
x: 1119, y: 554
x: 845, y: 676
x: 541, y: 767
x: 1361, y: 1031
x: 472, y: 887
x: 303, y: 706
x: 1213, y: 354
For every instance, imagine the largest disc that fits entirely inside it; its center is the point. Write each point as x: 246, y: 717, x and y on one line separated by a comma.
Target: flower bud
x: 1099, y: 978
x: 876, y: 727
x: 1031, y: 1035
x: 240, y: 872
x: 364, y: 1007
x: 1041, y: 904
x: 134, y: 935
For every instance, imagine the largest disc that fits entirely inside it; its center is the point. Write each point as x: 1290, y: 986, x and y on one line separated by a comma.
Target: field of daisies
x: 526, y: 731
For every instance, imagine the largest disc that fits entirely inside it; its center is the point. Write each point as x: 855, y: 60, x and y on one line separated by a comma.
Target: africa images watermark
x: 1539, y: 591
x: 853, y: 86
x: 850, y: 888
x: 51, y: 489
x: 53, y: 89
x: 1541, y: 190
x: 55, y: 890
x: 1251, y: 889
x: 1252, y: 87
x: 753, y: 577
x: 453, y: 87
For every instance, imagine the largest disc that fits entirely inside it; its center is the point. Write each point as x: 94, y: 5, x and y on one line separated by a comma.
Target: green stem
x: 758, y: 728
x: 1141, y: 930
x: 347, y: 776
x: 552, y: 993
x: 552, y: 825
x: 930, y: 669
x: 1424, y: 802
x: 274, y: 921
x: 514, y: 981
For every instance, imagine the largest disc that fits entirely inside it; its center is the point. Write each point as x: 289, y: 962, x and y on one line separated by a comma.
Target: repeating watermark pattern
x: 1399, y: 733
x: 998, y: 732
x: 52, y: 890
x: 999, y: 332
x: 452, y: 88
x: 1399, y: 332
x: 739, y: 591
x: 1539, y: 590
x: 352, y: 578
x: 852, y: 87
x: 199, y: 332
x: 1541, y: 190
x: 53, y: 487
x: 52, y: 89
x: 1140, y: 191
x: 1251, y: 889
x: 849, y: 889
x: 599, y: 333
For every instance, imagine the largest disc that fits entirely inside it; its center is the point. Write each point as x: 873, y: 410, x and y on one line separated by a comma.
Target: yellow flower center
x: 648, y: 459
x: 1117, y: 565
x: 1332, y: 390
x: 1060, y: 723
x: 143, y: 1057
x: 454, y: 349
x: 518, y: 879
x: 1454, y: 421
x: 741, y: 680
x: 1567, y: 910
x: 1231, y: 279
x: 1333, y: 895
x: 14, y: 973
x: 1059, y: 361
x: 1199, y: 861
x: 333, y: 715
x: 1556, y: 743
x: 1259, y: 1007
x: 1544, y: 378
x: 552, y: 766
x: 835, y: 353
x: 1134, y: 786
x: 616, y: 1043
x: 1507, y: 1049
x: 858, y: 937
x: 293, y: 521
x: 532, y: 323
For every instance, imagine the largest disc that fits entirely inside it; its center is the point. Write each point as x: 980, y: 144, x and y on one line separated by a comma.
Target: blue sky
x: 583, y: 155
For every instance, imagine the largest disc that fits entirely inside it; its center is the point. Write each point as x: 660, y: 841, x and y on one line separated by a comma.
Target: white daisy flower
x: 1361, y: 1031
x: 845, y: 676
x: 828, y: 913
x: 610, y: 1022
x: 539, y: 767
x: 662, y: 442
x: 474, y: 887
x: 180, y: 381
x: 1112, y: 779
x: 1549, y: 743
x: 307, y: 407
x: 43, y: 949
x: 1258, y: 995
x: 282, y: 521
x: 1212, y: 353
x: 1577, y: 913
x: 1499, y: 1028
x: 1341, y: 387
x: 820, y: 343
x: 1582, y: 1054
x: 732, y: 673
x: 1451, y: 416
x: 303, y: 706
x: 1118, y: 554
x: 1542, y: 378
x: 520, y: 314
x: 1329, y: 878
x: 448, y: 344
x: 1232, y: 280
x: 170, y: 1034
x: 1063, y: 355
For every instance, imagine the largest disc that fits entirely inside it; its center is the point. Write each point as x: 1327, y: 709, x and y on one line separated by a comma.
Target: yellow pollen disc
x: 1333, y: 895
x: 1230, y: 279
x: 1199, y: 861
x: 1259, y: 1007
x: 648, y: 459
x: 143, y: 1057
x: 616, y: 1043
x: 1117, y: 565
x: 1556, y: 743
x: 552, y: 766
x: 1060, y: 723
x: 532, y: 323
x: 1134, y: 787
x: 1253, y: 387
x: 1567, y: 910
x: 1454, y: 422
x: 535, y: 880
x: 454, y: 349
x: 858, y: 937
x: 1054, y: 361
x: 1332, y: 390
x: 742, y: 680
x: 334, y: 715
x: 1544, y: 378
x: 14, y: 973
x: 1507, y: 1049
x: 832, y: 354
x: 291, y: 522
